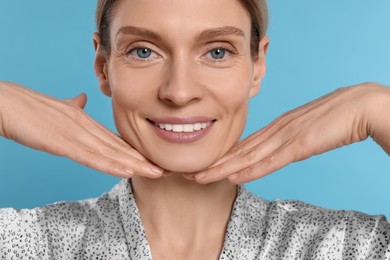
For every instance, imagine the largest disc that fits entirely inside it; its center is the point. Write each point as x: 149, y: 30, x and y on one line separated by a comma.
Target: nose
x: 181, y: 87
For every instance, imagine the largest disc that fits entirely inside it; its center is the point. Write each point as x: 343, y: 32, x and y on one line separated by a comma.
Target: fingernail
x: 200, y: 175
x: 157, y: 170
x: 129, y: 172
x: 189, y: 176
x: 124, y: 173
x: 233, y: 176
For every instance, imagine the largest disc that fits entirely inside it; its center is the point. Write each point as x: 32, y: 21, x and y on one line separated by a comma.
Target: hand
x: 340, y: 118
x: 63, y: 128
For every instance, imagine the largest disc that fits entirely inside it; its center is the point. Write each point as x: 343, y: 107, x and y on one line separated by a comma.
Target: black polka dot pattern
x: 110, y: 228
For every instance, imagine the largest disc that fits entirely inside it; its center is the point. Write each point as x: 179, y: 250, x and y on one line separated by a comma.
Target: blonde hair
x: 257, y: 10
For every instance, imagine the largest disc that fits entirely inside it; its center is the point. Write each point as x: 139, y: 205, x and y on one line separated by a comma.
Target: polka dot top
x: 110, y: 227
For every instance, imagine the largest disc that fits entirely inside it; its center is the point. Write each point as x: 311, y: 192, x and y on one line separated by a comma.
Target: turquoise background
x: 316, y: 47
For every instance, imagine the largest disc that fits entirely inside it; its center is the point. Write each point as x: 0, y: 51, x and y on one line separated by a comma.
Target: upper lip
x: 181, y: 120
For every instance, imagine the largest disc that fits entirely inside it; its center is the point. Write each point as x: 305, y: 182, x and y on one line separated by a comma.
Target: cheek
x: 231, y: 87
x: 132, y: 89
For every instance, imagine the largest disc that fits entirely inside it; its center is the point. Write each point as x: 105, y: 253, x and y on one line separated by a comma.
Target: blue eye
x: 218, y: 53
x: 143, y: 53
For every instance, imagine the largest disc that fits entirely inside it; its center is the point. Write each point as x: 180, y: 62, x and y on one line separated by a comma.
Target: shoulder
x: 294, y: 212
x: 74, y: 226
x: 295, y: 228
x: 308, y: 216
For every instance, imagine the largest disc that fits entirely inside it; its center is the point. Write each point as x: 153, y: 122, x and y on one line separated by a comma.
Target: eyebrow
x: 202, y: 36
x: 219, y: 32
x: 138, y: 31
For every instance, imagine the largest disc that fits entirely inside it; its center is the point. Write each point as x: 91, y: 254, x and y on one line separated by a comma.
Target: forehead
x: 181, y: 17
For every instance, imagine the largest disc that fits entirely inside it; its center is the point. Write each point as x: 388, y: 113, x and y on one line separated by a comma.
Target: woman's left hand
x: 343, y: 117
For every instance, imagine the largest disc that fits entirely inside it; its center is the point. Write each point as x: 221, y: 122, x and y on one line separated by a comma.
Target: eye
x: 218, y: 53
x: 142, y: 53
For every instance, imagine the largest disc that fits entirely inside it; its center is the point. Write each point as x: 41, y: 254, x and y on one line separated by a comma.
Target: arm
x: 343, y: 117
x: 378, y: 116
x: 62, y: 128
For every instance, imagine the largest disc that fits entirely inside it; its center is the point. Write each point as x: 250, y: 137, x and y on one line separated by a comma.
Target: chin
x: 183, y: 164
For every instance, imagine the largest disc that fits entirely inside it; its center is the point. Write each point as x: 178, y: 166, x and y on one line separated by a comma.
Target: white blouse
x: 110, y: 227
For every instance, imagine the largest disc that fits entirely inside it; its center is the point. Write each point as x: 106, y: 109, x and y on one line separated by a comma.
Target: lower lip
x: 181, y: 137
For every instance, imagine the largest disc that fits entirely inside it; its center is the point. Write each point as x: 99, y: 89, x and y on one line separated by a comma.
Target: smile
x: 187, y: 128
x: 182, y: 130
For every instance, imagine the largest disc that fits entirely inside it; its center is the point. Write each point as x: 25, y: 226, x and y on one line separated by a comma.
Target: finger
x: 280, y: 158
x: 101, y: 163
x: 271, y: 129
x: 165, y: 174
x: 189, y: 176
x: 112, y: 145
x: 86, y: 146
x: 236, y: 164
x: 116, y: 141
x: 243, y: 145
x: 112, y: 161
x: 79, y: 101
x: 92, y: 126
x: 254, y: 139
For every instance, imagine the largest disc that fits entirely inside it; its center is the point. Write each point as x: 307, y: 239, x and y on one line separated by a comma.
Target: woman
x: 164, y: 77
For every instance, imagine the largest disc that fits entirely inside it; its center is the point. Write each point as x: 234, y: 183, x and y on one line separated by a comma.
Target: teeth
x: 187, y: 128
x: 197, y: 126
x: 177, y: 128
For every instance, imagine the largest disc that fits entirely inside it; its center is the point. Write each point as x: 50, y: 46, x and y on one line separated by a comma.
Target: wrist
x: 4, y: 106
x: 2, y: 87
x: 378, y: 114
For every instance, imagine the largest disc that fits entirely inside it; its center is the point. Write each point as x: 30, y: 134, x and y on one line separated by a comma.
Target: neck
x: 180, y: 213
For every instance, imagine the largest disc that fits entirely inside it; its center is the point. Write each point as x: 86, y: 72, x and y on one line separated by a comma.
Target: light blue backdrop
x: 316, y: 47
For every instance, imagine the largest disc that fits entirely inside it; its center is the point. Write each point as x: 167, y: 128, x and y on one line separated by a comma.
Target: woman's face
x: 180, y: 74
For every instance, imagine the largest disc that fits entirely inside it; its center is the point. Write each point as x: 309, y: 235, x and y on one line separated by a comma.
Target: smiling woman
x: 180, y: 79
x: 178, y: 84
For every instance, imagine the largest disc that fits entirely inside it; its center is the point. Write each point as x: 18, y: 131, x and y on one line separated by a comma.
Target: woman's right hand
x: 62, y: 128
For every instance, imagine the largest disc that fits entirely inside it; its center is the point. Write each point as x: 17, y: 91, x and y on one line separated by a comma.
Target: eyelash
x: 231, y: 51
x: 140, y: 46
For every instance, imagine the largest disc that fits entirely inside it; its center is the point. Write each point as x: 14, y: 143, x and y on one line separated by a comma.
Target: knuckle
x: 55, y: 144
x: 249, y: 172
x: 284, y: 118
x: 74, y: 113
x: 71, y: 111
x: 268, y: 161
x: 308, y: 139
x: 88, y: 156
x: 304, y: 144
x: 110, y: 151
x: 250, y: 156
x: 245, y: 175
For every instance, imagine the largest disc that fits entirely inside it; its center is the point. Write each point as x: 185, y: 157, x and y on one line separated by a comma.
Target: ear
x: 259, y: 66
x: 100, y: 65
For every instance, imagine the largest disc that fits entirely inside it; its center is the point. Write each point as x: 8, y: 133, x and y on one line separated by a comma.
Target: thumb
x: 79, y: 101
